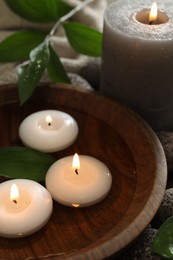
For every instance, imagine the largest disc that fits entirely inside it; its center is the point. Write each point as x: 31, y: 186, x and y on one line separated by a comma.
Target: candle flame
x: 76, y: 162
x: 14, y: 193
x: 153, y: 13
x: 48, y: 120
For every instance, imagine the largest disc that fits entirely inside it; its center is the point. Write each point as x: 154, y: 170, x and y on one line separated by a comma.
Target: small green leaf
x: 55, y: 68
x: 39, y: 11
x: 30, y: 74
x: 17, y: 47
x: 163, y: 241
x: 21, y: 162
x: 84, y: 39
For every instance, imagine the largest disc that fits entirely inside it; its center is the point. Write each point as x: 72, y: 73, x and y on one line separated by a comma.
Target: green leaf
x: 84, y: 39
x: 55, y: 68
x: 40, y: 11
x: 163, y: 241
x: 17, y: 47
x: 30, y: 74
x: 21, y: 162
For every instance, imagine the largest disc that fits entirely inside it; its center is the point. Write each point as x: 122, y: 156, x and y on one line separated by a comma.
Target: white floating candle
x: 77, y: 183
x: 48, y: 130
x: 25, y: 207
x: 137, y: 58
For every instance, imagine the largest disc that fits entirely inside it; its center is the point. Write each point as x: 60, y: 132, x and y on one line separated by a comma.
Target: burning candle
x: 151, y: 16
x: 153, y: 13
x: 48, y: 130
x: 78, y: 182
x: 137, y: 58
x: 25, y: 207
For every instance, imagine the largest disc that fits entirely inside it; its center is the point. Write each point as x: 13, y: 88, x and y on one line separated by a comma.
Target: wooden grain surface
x: 114, y: 135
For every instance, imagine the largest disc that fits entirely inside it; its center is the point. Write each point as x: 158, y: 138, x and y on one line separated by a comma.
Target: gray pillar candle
x: 137, y: 59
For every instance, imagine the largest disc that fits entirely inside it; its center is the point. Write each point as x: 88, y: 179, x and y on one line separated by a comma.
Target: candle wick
x: 15, y: 201
x: 49, y: 124
x: 151, y: 22
x: 76, y: 171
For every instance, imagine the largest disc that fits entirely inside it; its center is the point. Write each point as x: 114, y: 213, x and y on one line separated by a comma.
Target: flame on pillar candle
x: 49, y: 120
x: 153, y: 13
x: 14, y: 193
x: 76, y: 163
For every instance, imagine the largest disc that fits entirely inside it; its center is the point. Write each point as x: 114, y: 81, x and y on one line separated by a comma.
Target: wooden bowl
x: 118, y: 137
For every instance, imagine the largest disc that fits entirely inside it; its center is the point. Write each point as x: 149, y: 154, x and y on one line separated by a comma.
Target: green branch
x: 34, y: 46
x: 69, y: 15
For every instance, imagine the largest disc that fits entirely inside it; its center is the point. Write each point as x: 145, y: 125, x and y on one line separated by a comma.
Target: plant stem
x: 69, y: 15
